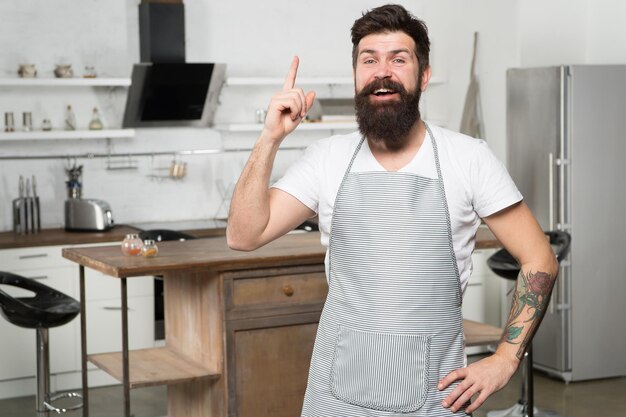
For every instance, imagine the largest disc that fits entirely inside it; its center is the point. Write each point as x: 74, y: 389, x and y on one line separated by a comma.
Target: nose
x: 382, y: 71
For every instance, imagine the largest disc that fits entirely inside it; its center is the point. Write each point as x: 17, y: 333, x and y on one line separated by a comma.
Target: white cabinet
x: 482, y: 295
x: 18, y: 344
x: 103, y: 293
x: 104, y: 313
x: 104, y: 326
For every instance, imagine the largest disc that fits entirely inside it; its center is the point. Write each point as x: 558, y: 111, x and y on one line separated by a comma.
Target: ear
x: 425, y: 78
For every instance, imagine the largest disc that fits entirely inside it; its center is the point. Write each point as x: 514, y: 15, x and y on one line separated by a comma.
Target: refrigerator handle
x: 551, y: 191
x: 554, y: 296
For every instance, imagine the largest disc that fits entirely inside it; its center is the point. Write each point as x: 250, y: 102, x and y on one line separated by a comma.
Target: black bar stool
x: 45, y: 309
x: 503, y: 264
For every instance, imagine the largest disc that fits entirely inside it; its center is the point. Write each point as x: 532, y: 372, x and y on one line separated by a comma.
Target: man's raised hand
x: 287, y: 107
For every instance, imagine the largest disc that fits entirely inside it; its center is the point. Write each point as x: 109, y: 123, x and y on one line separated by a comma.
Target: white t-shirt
x: 476, y: 183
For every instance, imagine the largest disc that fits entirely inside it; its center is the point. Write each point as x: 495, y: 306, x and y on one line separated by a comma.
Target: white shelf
x: 67, y: 134
x: 260, y: 81
x: 250, y: 81
x: 256, y: 127
x: 65, y: 82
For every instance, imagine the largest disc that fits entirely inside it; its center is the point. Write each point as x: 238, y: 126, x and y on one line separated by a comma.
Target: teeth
x: 382, y: 91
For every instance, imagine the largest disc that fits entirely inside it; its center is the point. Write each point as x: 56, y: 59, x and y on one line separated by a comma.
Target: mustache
x: 384, y: 83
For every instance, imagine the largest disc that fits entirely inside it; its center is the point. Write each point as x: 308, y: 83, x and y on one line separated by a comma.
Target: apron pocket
x: 381, y: 371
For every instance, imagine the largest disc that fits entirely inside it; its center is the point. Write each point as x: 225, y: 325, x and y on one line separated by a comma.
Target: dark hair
x: 392, y: 18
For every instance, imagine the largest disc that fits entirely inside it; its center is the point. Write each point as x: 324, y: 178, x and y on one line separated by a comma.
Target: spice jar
x: 149, y: 249
x: 131, y: 245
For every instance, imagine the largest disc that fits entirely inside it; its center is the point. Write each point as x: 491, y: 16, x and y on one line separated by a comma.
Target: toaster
x: 87, y: 214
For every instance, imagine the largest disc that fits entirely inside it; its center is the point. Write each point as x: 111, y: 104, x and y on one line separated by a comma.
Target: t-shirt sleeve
x: 301, y: 179
x: 493, y: 188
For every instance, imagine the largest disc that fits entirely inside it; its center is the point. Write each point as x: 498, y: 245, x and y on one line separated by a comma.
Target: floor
x: 600, y: 398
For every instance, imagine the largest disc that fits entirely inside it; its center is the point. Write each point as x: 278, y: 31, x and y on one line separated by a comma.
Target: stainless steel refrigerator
x: 566, y: 150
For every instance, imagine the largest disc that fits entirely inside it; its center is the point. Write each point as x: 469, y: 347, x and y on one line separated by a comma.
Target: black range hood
x: 165, y: 90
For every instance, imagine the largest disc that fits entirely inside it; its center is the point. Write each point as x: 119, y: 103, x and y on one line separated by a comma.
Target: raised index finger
x: 290, y: 81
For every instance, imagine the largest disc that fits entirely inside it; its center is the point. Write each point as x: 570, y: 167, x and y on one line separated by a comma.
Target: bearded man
x: 399, y: 203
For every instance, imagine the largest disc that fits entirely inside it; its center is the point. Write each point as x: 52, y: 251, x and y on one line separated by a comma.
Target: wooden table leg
x: 194, y: 328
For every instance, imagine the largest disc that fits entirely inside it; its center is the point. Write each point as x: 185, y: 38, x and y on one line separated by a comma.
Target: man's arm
x: 257, y: 214
x: 516, y: 228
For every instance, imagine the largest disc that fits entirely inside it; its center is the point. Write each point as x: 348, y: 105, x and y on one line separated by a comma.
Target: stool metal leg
x: 43, y: 372
x: 527, y: 383
x: 44, y: 399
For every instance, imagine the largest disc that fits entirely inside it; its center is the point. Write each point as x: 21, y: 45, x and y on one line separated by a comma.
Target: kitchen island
x: 240, y: 326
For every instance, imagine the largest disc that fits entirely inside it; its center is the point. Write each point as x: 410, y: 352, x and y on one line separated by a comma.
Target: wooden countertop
x: 55, y: 237
x: 210, y: 253
x: 213, y: 253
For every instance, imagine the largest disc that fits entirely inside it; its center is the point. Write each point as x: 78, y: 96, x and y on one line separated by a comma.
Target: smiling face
x: 387, y: 91
x: 387, y: 56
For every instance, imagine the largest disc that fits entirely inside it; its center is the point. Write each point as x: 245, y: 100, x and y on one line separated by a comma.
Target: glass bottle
x: 95, y: 123
x: 27, y: 121
x: 131, y: 245
x: 70, y: 119
x: 149, y: 249
x: 9, y: 122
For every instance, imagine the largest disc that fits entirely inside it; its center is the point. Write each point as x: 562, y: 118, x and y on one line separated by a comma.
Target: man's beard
x: 388, y: 122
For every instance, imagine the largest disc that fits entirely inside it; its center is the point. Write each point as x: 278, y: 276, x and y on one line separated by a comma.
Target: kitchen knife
x: 28, y: 206
x: 16, y: 215
x: 22, y: 208
x: 36, y: 210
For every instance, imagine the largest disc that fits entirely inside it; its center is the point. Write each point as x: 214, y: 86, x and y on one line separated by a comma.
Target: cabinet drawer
x: 275, y: 290
x: 104, y: 324
x: 62, y: 279
x: 99, y: 286
x: 14, y: 260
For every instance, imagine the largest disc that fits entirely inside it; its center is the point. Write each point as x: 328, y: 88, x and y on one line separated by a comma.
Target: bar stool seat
x: 503, y: 264
x: 47, y: 308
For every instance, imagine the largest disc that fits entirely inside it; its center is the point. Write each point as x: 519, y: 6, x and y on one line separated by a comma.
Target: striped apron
x: 392, y: 326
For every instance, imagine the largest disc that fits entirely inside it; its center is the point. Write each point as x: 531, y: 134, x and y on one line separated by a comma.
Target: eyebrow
x: 393, y: 52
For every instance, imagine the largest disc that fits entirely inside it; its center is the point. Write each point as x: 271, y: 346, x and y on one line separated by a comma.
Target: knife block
x: 26, y: 215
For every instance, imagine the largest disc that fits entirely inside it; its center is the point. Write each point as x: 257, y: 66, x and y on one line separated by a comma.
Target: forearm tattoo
x: 527, y: 309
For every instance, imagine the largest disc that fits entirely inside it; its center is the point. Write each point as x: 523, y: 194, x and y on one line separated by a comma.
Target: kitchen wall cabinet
x: 18, y: 345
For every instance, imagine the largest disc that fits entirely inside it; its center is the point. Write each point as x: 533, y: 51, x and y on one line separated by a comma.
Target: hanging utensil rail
x: 90, y: 155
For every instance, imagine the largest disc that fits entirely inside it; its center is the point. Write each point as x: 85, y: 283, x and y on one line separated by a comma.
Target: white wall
x: 572, y: 32
x: 258, y: 39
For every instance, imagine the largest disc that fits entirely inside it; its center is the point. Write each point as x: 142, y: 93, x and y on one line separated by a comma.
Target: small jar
x: 149, y: 249
x: 131, y: 245
x: 27, y: 120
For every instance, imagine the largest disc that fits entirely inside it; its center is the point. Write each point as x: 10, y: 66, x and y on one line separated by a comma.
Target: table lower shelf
x: 157, y: 366
x: 481, y: 334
